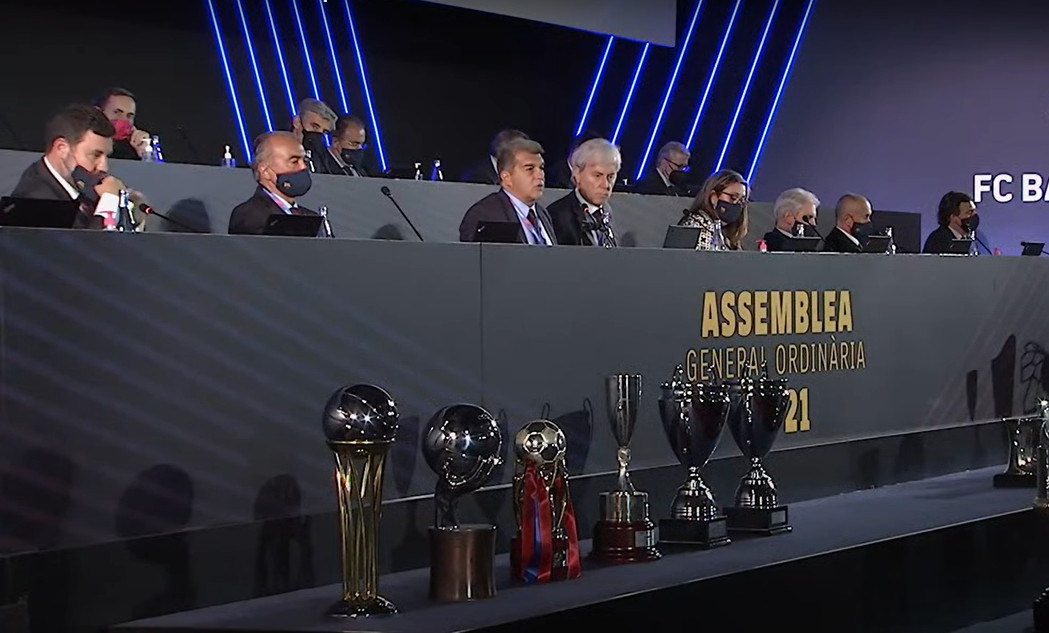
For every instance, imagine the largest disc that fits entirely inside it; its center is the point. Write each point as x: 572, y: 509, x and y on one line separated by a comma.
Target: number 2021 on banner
x: 797, y: 411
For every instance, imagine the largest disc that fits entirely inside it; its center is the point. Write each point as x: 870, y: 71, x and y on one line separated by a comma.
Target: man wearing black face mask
x: 668, y: 176
x: 280, y: 169
x: 348, y: 146
x: 957, y: 219
x: 795, y: 213
x: 313, y: 120
x: 79, y: 140
x: 852, y: 227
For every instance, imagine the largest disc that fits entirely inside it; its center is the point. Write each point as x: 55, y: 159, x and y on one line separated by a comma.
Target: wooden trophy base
x: 559, y: 569
x: 617, y: 542
x: 1015, y: 480
x: 462, y: 562
x: 694, y: 533
x: 765, y: 521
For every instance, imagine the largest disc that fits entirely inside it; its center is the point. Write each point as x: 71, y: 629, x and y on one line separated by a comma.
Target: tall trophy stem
x: 359, y: 468
x: 623, y: 458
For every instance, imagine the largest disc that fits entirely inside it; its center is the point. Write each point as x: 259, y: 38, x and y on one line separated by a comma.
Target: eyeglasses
x: 678, y: 166
x: 734, y: 198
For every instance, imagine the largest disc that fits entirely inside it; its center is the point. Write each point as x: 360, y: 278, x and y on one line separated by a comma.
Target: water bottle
x: 147, y: 151
x: 309, y: 161
x: 436, y: 173
x: 418, y: 171
x: 323, y: 211
x: 158, y: 154
x: 892, y: 242
x: 227, y: 158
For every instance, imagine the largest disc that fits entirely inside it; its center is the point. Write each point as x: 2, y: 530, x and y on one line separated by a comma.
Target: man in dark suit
x: 485, y: 171
x: 78, y: 140
x: 957, y: 219
x: 119, y: 106
x: 852, y: 227
x: 582, y: 217
x: 521, y: 175
x: 347, y: 147
x: 668, y: 176
x: 281, y: 171
x: 795, y: 213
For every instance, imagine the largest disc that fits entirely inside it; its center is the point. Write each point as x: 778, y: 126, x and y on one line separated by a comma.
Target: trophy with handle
x: 624, y: 533
x: 360, y: 423
x: 758, y: 411
x: 462, y: 444
x: 693, y: 416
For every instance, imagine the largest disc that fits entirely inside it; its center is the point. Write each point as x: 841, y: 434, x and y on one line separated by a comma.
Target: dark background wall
x: 904, y: 101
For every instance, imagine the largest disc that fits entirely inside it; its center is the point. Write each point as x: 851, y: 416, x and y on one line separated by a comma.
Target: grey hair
x: 596, y: 151
x: 792, y: 200
x: 319, y: 108
x: 261, y: 149
x: 507, y: 157
x: 673, y: 148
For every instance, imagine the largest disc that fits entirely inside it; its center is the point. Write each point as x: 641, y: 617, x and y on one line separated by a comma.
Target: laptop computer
x: 293, y: 225
x: 43, y: 214
x: 681, y: 237
x: 877, y: 244
x: 1032, y: 249
x: 804, y: 244
x: 498, y: 232
x: 960, y: 247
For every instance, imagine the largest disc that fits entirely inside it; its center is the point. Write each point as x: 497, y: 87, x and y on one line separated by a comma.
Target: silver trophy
x: 693, y: 416
x: 759, y: 408
x: 624, y: 532
x: 1022, y: 434
x: 462, y: 445
x: 1041, y: 497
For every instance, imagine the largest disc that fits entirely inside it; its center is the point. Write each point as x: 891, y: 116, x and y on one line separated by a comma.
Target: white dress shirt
x: 107, y: 202
x: 284, y: 205
x: 592, y: 210
x: 522, y: 209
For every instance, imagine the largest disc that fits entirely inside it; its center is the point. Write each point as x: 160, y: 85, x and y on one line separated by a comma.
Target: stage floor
x: 820, y: 526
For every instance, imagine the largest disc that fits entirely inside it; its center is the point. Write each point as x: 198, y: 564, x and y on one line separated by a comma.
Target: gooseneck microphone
x: 386, y: 192
x: 148, y: 210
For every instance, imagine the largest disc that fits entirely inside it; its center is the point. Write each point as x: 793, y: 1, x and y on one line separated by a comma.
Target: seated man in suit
x: 957, y: 219
x: 280, y: 169
x: 347, y: 146
x: 853, y: 226
x: 668, y: 176
x: 581, y: 218
x: 311, y: 122
x: 521, y: 175
x: 78, y: 140
x: 795, y: 213
x: 485, y: 171
x: 118, y: 104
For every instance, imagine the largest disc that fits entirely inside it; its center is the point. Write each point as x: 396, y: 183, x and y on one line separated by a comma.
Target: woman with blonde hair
x: 720, y: 212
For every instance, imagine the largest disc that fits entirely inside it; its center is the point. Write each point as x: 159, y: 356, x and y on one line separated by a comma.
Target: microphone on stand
x: 148, y: 210
x: 386, y: 192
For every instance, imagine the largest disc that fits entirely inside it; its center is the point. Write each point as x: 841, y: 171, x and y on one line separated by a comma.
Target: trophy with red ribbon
x: 546, y: 546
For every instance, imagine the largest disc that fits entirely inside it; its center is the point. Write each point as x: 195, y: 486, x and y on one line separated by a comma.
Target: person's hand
x: 109, y: 184
x: 139, y: 139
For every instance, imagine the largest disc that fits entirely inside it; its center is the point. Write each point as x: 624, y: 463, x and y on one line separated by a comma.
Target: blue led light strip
x: 254, y: 66
x: 229, y: 81
x: 713, y: 74
x: 779, y: 91
x: 630, y: 93
x: 670, y: 89
x: 746, y: 86
x: 593, y: 87
x: 280, y: 55
x: 364, y: 82
x: 305, y: 49
x: 334, y: 59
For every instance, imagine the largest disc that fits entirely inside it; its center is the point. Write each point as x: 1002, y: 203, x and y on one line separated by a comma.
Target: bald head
x: 852, y: 209
x: 277, y: 153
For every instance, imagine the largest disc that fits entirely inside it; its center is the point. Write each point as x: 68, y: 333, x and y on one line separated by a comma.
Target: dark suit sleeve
x: 249, y: 218
x: 468, y: 226
x: 939, y: 241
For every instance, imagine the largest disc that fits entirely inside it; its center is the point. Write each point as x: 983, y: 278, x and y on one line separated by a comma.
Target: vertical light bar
x: 746, y: 85
x: 713, y: 74
x: 280, y: 55
x: 630, y: 93
x: 229, y: 81
x: 305, y: 49
x: 334, y: 59
x: 593, y: 87
x: 670, y: 90
x: 254, y: 66
x: 364, y: 82
x: 779, y: 91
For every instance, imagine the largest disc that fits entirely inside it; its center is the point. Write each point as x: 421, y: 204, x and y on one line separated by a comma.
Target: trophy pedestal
x: 1015, y: 480
x: 624, y: 542
x: 559, y: 568
x: 767, y: 521
x: 376, y: 606
x: 698, y: 533
x: 462, y: 563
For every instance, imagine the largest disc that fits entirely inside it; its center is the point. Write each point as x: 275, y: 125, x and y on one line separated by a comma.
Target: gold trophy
x: 360, y: 423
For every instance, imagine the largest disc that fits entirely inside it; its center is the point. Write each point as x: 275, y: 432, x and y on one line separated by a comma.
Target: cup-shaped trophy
x: 1022, y: 436
x: 693, y: 416
x: 624, y: 533
x: 758, y: 411
x: 1041, y: 497
x: 462, y: 445
x: 546, y: 546
x: 360, y: 422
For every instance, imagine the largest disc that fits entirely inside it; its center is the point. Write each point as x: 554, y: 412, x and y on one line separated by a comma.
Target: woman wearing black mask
x: 720, y: 212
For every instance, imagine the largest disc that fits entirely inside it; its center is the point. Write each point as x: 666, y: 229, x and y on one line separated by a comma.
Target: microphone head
x: 385, y: 190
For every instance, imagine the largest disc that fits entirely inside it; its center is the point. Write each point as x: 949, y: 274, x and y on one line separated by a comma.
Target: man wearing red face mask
x: 118, y: 105
x: 78, y: 140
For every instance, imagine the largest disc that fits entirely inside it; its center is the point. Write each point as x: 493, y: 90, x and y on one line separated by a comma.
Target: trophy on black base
x: 1041, y: 498
x: 461, y: 445
x: 624, y: 533
x: 360, y: 423
x: 1022, y: 436
x: 759, y: 409
x: 693, y: 416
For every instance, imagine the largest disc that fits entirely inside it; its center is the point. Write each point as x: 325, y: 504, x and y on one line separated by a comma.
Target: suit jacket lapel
x: 54, y: 185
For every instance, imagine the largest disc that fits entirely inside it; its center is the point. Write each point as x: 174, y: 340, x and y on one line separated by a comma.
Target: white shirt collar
x: 846, y: 234
x: 666, y: 181
x: 70, y: 189
x: 957, y: 235
x: 592, y: 208
x: 284, y: 205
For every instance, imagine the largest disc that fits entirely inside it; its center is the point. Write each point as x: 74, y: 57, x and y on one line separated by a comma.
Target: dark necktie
x: 537, y: 231
x: 296, y: 210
